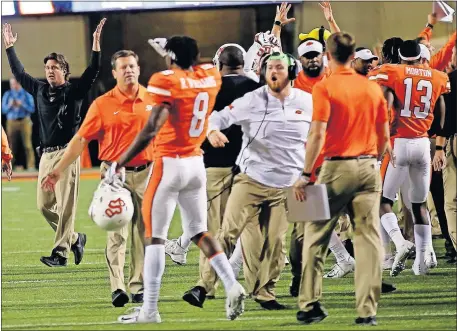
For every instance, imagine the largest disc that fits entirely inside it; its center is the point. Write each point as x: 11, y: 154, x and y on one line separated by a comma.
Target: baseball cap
x: 425, y: 53
x: 310, y: 46
x: 409, y: 50
x: 365, y: 54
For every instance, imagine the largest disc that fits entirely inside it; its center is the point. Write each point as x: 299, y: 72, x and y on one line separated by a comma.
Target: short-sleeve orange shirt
x: 115, y: 120
x: 417, y: 89
x: 353, y: 107
x: 306, y: 83
x: 192, y: 95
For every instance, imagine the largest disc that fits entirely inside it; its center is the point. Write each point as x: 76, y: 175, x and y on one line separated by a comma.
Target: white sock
x: 386, y: 244
x: 221, y: 265
x: 390, y: 224
x: 236, y: 260
x: 184, y: 242
x: 422, y: 235
x: 154, y: 266
x: 338, y: 249
x: 430, y: 226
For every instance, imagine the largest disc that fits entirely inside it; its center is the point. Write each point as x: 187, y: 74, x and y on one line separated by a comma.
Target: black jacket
x: 233, y: 87
x: 59, y: 112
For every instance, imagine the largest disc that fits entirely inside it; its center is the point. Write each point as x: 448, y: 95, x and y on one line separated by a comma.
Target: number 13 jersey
x: 417, y: 89
x: 192, y: 95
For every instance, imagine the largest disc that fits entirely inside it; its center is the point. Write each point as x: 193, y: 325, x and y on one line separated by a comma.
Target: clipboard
x: 314, y: 208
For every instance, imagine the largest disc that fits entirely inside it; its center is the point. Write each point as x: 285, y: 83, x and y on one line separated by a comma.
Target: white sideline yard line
x: 104, y: 299
x: 101, y: 250
x: 5, y: 266
x: 241, y: 319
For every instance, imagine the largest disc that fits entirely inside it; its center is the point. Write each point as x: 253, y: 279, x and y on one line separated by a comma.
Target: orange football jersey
x: 192, y: 95
x: 417, y: 89
x: 306, y: 83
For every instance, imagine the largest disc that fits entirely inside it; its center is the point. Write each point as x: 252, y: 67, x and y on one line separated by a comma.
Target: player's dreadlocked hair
x: 390, y: 50
x: 183, y: 51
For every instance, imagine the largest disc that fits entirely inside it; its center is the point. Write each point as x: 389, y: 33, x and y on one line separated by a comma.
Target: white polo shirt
x: 274, y: 134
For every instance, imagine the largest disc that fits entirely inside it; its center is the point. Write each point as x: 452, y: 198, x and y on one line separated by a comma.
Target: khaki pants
x: 257, y: 213
x: 116, y: 246
x: 59, y: 207
x: 450, y: 189
x: 218, y: 181
x: 355, y: 184
x: 21, y: 129
x: 296, y: 249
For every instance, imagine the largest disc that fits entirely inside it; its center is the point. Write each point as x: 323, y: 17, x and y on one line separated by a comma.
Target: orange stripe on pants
x: 156, y: 177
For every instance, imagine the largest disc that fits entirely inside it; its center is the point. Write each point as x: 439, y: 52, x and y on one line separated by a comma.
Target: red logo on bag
x: 114, y: 207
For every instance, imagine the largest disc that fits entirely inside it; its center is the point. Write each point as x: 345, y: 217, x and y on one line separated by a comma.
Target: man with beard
x: 275, y: 121
x: 363, y: 60
x: 311, y: 58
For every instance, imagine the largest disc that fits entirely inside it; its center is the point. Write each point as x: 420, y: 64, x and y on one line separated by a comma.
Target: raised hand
x: 327, y: 9
x: 97, y: 34
x: 8, y: 38
x: 281, y: 14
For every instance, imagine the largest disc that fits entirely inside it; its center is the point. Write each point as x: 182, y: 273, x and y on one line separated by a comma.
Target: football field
x: 37, y: 297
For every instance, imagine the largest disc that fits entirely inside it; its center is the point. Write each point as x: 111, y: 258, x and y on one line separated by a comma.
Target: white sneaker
x: 341, y: 269
x: 139, y: 316
x: 387, y: 264
x: 405, y: 251
x: 286, y: 261
x: 234, y: 304
x: 430, y: 259
x: 419, y: 269
x: 177, y: 254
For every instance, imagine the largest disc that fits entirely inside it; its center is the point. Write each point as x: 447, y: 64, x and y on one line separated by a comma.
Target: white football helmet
x: 221, y: 49
x: 112, y: 206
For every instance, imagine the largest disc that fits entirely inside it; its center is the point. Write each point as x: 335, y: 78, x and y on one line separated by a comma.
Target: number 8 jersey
x: 192, y: 95
x: 417, y: 89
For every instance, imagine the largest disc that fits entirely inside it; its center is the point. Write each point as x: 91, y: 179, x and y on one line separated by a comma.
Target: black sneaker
x: 271, y: 305
x: 137, y: 298
x: 387, y: 288
x: 366, y: 320
x: 78, y: 247
x: 294, y: 286
x: 119, y: 298
x: 195, y: 296
x: 55, y: 260
x: 315, y: 315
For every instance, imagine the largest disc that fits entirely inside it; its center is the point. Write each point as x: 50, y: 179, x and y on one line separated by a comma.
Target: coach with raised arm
x: 58, y: 104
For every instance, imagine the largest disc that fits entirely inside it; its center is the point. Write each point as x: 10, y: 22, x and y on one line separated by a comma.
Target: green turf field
x: 35, y: 296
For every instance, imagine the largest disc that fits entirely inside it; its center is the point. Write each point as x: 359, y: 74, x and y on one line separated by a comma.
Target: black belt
x: 134, y: 169
x: 53, y: 149
x: 342, y: 158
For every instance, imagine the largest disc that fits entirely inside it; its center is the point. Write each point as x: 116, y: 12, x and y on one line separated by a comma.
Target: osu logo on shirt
x: 114, y: 207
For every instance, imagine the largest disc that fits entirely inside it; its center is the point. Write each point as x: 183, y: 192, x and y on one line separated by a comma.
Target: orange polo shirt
x: 6, y: 151
x: 352, y: 106
x: 115, y: 120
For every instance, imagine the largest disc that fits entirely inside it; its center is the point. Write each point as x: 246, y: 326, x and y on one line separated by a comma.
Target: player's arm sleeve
x: 386, y: 77
x: 235, y: 113
x: 92, y: 126
x: 441, y: 59
x: 160, y: 88
x: 426, y: 33
x: 321, y: 103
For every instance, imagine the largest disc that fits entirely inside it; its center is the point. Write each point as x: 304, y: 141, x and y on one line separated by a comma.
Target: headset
x: 216, y: 62
x: 292, y: 66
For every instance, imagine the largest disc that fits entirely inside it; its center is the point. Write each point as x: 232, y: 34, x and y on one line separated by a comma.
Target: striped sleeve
x: 160, y: 87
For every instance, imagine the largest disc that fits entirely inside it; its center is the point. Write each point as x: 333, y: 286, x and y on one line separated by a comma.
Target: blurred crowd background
x: 66, y: 27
